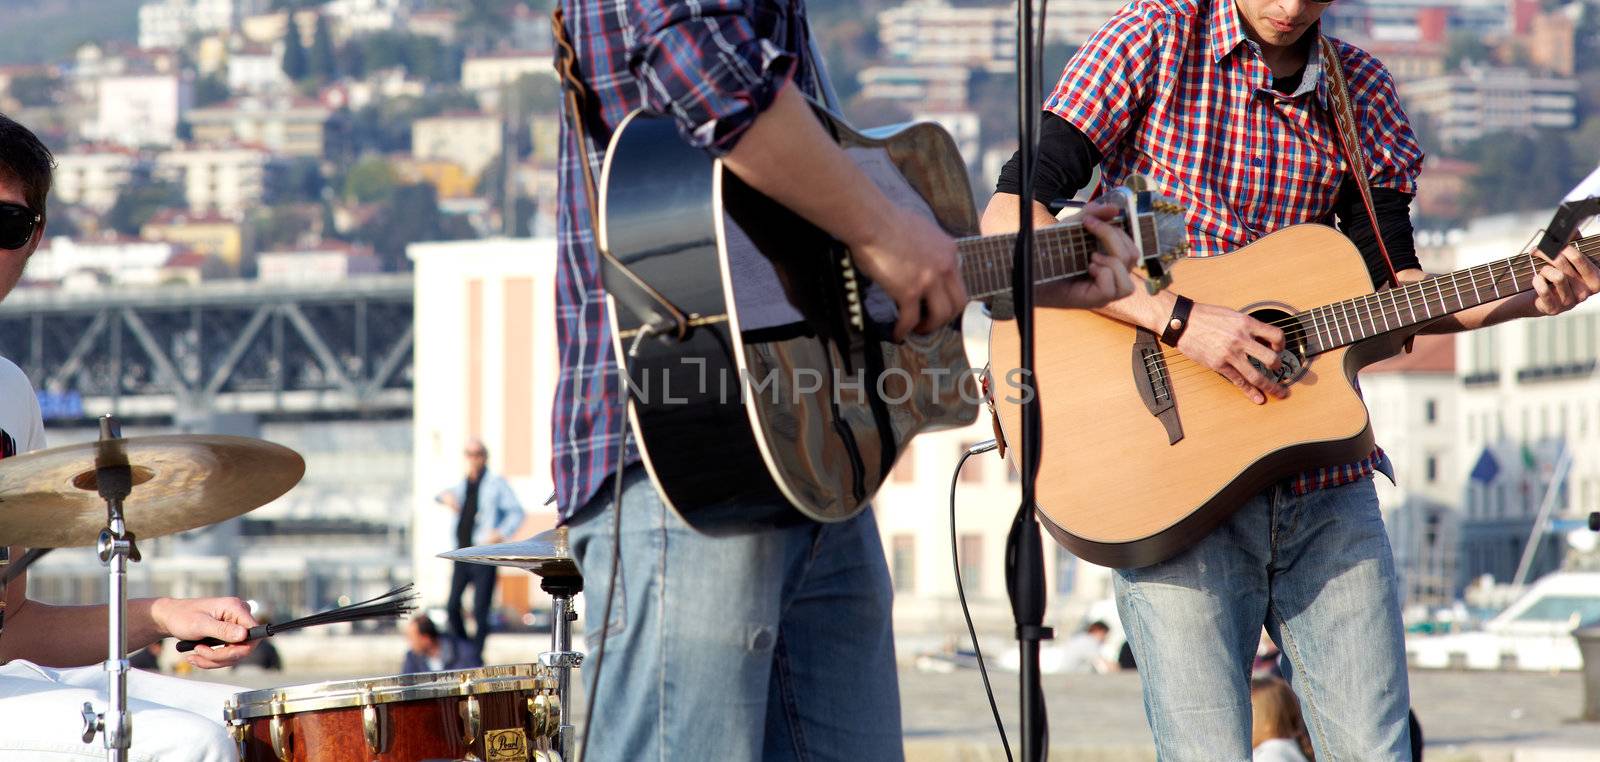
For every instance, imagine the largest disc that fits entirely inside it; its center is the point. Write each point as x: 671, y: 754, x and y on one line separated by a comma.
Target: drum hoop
x: 343, y: 694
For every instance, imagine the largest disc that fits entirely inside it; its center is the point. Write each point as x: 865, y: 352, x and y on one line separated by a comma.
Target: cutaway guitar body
x: 1146, y: 451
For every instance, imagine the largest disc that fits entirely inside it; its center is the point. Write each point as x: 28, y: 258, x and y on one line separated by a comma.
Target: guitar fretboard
x: 1352, y: 320
x: 1062, y: 252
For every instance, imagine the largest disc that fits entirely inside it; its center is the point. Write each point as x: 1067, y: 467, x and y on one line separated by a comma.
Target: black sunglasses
x: 16, y: 225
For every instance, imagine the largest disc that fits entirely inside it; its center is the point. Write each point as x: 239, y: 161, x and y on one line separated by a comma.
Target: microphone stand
x: 1025, y: 581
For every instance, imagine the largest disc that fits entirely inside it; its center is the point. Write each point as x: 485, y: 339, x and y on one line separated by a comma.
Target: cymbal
x: 545, y: 554
x: 48, y: 498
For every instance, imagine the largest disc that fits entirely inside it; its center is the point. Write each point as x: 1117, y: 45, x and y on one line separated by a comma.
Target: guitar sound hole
x: 1292, y: 360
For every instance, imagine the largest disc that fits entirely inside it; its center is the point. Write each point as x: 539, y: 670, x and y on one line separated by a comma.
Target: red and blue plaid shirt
x: 713, y: 65
x: 1175, y: 90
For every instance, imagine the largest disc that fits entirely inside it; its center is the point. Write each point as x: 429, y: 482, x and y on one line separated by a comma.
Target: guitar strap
x: 1344, y: 119
x: 628, y: 288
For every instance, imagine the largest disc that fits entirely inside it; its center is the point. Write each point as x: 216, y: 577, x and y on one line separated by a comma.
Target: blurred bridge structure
x: 164, y: 354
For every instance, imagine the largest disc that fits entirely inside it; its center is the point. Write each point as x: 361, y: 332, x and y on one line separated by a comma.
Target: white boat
x: 1533, y: 633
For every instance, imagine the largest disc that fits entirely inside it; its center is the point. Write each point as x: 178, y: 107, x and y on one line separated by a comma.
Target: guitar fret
x: 1329, y: 326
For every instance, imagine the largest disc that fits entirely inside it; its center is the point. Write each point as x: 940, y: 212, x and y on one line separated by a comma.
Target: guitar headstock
x: 1159, y: 228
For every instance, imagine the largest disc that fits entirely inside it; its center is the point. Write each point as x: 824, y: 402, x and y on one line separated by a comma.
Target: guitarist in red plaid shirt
x: 1225, y: 104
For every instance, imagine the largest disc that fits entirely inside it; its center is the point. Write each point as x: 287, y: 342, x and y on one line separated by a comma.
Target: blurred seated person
x: 1268, y: 662
x: 1081, y: 652
x: 147, y: 658
x: 1277, y: 729
x: 433, y: 651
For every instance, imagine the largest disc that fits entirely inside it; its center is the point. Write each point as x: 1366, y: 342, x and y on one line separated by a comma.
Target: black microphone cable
x: 955, y: 562
x: 616, y: 537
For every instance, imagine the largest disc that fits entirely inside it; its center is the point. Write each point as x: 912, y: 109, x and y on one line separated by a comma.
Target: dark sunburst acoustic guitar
x: 773, y: 393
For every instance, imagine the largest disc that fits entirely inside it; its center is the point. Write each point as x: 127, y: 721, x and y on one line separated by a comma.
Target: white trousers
x: 174, y: 720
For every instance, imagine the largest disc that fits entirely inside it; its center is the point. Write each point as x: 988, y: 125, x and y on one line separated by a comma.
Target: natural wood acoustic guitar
x: 1146, y: 451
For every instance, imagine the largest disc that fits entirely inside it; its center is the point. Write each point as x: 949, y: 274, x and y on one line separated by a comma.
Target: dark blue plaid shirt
x: 712, y: 64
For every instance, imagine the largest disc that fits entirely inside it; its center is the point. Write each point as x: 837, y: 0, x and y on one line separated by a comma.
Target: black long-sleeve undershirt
x: 1067, y: 159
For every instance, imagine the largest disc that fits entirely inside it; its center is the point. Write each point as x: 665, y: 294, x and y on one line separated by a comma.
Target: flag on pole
x: 1487, y: 469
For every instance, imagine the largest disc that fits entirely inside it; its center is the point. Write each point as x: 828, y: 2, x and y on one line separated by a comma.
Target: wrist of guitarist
x: 1219, y: 338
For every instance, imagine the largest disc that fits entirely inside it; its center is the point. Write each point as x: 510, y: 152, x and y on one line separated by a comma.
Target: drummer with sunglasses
x: 50, y: 655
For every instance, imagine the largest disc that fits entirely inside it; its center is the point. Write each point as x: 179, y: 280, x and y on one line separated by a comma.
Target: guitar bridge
x: 1151, y: 377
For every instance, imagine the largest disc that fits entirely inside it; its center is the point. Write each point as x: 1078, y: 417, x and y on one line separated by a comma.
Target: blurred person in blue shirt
x: 488, y: 513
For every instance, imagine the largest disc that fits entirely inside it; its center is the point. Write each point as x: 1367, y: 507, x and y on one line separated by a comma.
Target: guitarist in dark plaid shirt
x: 777, y: 644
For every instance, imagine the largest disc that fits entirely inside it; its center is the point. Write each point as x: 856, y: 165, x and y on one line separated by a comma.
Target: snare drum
x: 495, y: 714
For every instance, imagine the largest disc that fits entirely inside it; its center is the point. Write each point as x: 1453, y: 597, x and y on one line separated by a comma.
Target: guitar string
x: 1350, y: 311
x: 1334, y: 336
x: 1068, y: 244
x: 1416, y: 296
x: 1344, y: 321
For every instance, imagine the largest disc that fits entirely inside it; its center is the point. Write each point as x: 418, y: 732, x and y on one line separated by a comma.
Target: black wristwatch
x: 1178, y: 323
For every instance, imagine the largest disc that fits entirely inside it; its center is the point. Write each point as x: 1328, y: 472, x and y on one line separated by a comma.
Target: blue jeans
x: 1317, y: 571
x: 775, y: 645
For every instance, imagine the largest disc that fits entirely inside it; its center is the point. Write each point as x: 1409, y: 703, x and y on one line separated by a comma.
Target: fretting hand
x: 1108, y: 278
x: 1564, y: 283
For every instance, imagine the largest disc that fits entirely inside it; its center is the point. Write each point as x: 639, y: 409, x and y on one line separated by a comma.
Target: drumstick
x: 20, y: 565
x: 392, y: 604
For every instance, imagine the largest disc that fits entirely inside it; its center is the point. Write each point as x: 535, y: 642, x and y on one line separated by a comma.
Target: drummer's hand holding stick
x: 391, y: 605
x: 225, y: 619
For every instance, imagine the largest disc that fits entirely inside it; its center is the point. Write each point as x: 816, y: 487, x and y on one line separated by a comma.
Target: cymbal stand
x: 561, y: 657
x: 114, y: 481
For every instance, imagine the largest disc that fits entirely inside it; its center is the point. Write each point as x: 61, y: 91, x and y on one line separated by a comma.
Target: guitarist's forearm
x: 1141, y: 308
x: 1003, y: 216
x: 1482, y: 316
x: 1485, y: 315
x: 788, y: 156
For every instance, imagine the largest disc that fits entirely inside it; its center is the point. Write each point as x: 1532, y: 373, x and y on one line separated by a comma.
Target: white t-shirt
x: 21, y: 425
x: 1080, y: 653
